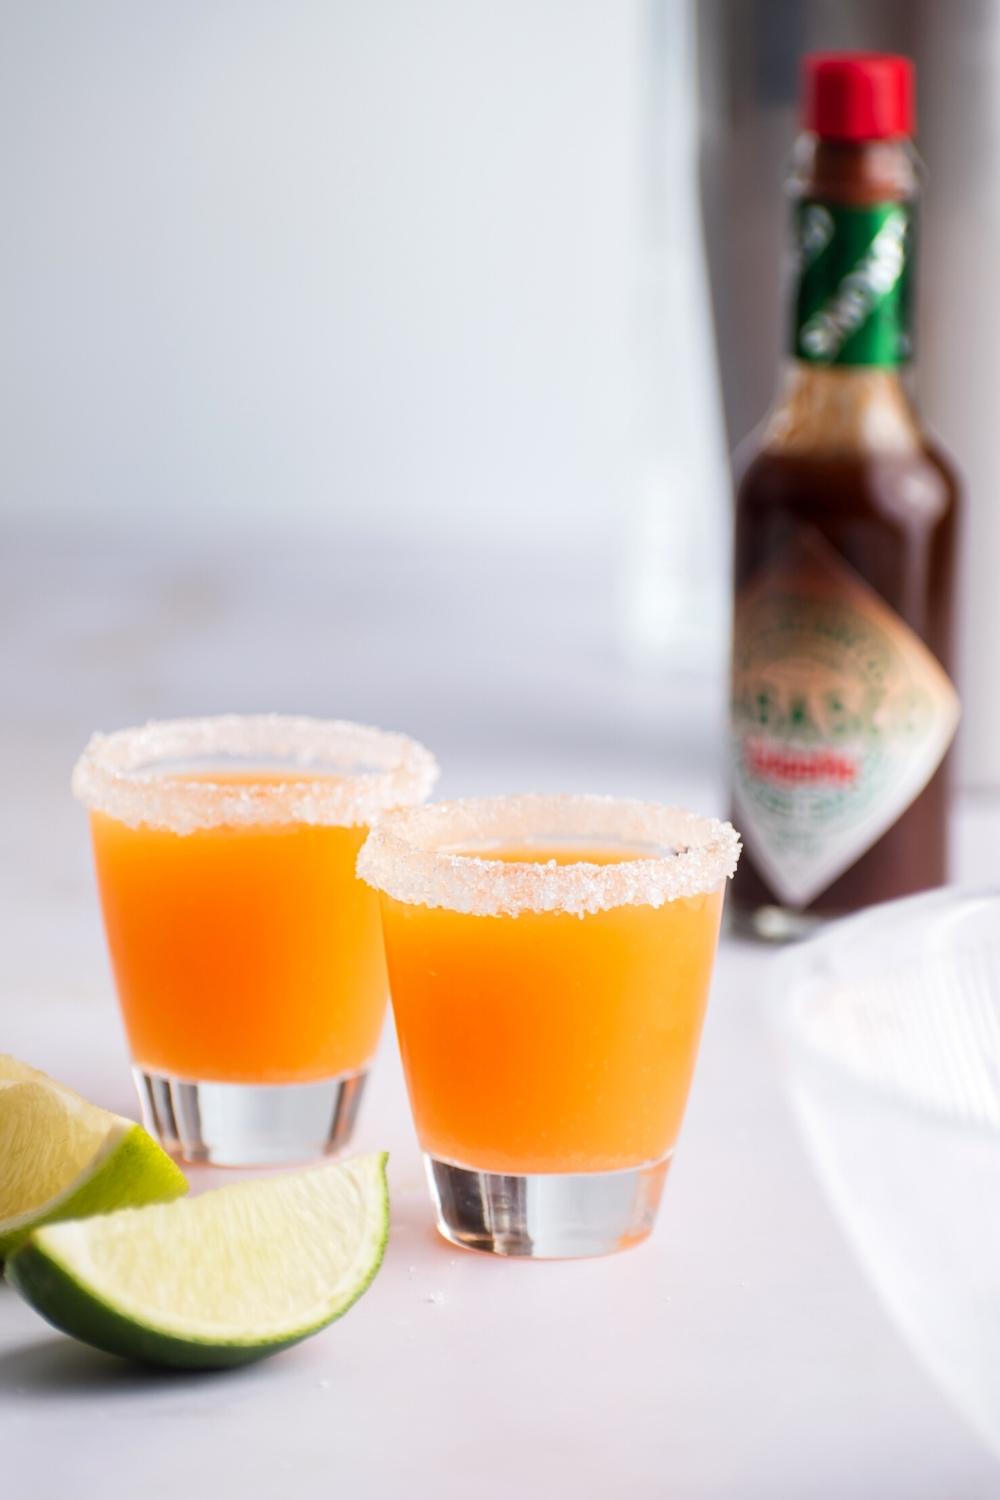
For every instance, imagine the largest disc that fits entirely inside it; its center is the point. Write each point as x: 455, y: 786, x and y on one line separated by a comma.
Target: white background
x: 354, y: 263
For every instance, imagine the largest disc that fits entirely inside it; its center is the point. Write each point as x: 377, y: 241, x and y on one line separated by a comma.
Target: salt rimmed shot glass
x: 247, y: 956
x: 549, y: 962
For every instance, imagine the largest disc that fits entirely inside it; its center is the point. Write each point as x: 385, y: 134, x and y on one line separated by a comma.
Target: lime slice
x: 63, y: 1158
x: 217, y: 1280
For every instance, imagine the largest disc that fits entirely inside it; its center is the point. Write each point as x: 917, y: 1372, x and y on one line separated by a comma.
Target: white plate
x: 890, y: 1029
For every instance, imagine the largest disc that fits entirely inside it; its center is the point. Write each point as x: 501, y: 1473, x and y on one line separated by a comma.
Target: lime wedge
x: 217, y: 1280
x: 63, y: 1158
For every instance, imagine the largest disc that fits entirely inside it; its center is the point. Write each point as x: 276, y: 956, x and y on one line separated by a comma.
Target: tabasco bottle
x: 843, y: 707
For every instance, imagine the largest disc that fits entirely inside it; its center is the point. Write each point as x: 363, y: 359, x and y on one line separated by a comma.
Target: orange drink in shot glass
x: 247, y: 956
x: 549, y: 961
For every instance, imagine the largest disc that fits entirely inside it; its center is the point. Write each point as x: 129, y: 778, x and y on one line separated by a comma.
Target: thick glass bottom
x: 249, y: 1124
x: 546, y: 1215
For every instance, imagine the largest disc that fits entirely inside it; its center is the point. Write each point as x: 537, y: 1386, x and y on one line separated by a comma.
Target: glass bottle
x: 842, y: 705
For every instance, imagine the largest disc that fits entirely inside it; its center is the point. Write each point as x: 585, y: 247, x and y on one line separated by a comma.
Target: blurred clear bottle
x: 677, y: 527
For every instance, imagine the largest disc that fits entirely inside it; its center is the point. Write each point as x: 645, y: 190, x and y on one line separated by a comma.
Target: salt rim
x: 117, y: 773
x: 411, y: 855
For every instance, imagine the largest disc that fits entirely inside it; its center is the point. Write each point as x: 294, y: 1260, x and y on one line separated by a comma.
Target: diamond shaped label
x: 840, y: 717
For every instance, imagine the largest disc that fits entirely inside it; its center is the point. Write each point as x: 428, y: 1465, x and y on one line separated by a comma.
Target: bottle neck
x: 846, y: 388
x: 842, y: 410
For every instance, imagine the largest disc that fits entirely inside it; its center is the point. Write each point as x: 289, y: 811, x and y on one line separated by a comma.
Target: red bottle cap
x: 858, y: 96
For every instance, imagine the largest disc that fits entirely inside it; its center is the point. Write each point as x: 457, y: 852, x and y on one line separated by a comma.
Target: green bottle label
x: 852, y: 292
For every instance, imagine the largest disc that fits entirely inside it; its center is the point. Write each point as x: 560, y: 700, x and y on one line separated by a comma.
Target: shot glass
x: 549, y: 962
x: 247, y: 956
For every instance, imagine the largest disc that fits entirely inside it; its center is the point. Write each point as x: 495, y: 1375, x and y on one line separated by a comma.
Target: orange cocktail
x: 549, y: 962
x: 248, y: 957
x: 244, y: 953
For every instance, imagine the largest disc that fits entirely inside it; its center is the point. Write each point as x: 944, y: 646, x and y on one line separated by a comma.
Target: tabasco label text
x: 840, y: 716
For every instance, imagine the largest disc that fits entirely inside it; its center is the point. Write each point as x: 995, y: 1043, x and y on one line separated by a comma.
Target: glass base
x: 545, y: 1215
x: 248, y: 1124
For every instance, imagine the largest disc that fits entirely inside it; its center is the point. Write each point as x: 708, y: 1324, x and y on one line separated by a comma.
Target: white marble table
x: 739, y: 1354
